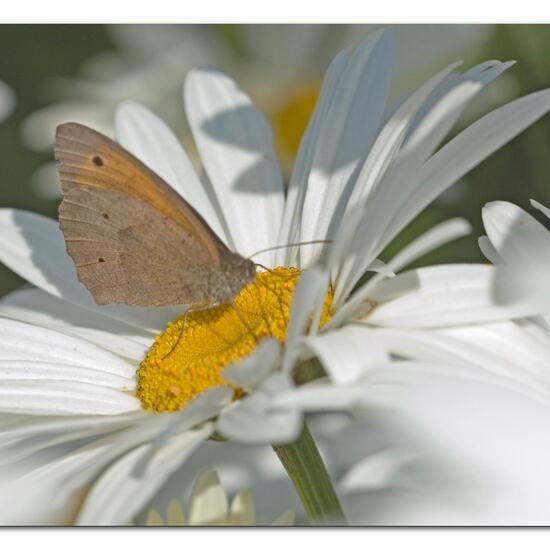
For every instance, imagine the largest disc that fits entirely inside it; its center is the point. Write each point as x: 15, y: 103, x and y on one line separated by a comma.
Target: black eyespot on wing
x: 98, y: 161
x: 105, y: 215
x: 100, y: 260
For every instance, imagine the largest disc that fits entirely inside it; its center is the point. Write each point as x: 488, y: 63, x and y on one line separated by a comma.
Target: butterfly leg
x: 180, y: 335
x: 240, y: 316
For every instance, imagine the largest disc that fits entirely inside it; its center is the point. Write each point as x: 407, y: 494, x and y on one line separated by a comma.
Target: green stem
x: 307, y: 471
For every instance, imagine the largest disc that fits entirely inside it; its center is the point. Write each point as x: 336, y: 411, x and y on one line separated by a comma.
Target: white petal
x: 147, y: 137
x: 22, y: 341
x: 390, y: 195
x: 443, y: 108
x: 469, y: 148
x: 117, y: 496
x: 309, y: 292
x: 33, y: 433
x: 290, y: 227
x: 390, y: 139
x: 440, y: 296
x: 376, y: 471
x: 39, y: 308
x: 62, y: 479
x: 33, y: 247
x: 19, y: 370
x: 513, y: 232
x: 383, y: 216
x: 502, y: 349
x: 383, y: 385
x: 488, y: 250
x: 253, y: 419
x: 209, y: 504
x: 523, y: 246
x: 347, y: 353
x: 348, y: 128
x: 204, y: 407
x: 541, y: 207
x: 236, y: 149
x: 431, y: 239
x: 250, y: 371
x: 321, y: 397
x: 60, y: 397
x: 386, y: 216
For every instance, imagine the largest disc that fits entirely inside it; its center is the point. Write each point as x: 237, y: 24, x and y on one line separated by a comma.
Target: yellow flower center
x: 190, y: 355
x: 290, y: 119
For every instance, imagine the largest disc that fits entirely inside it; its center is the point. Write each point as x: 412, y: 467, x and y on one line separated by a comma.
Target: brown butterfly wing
x: 133, y: 239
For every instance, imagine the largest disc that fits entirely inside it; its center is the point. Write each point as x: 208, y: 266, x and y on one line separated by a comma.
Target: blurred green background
x: 59, y: 72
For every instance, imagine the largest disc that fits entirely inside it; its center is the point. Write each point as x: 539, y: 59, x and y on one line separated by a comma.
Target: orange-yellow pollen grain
x: 190, y: 355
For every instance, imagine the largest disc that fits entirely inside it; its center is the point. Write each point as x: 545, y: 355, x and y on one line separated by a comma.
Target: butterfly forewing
x: 133, y: 239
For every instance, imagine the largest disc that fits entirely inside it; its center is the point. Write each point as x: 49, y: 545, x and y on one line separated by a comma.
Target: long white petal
x: 35, y: 306
x: 61, y: 480
x: 348, y: 129
x: 427, y: 127
x: 433, y: 238
x: 33, y: 247
x: 21, y: 342
x: 541, y: 207
x: 118, y: 495
x: 440, y: 296
x: 309, y: 293
x: 42, y: 370
x: 469, y: 148
x: 297, y: 188
x: 204, y: 407
x: 147, y: 137
x: 236, y: 148
x: 391, y: 138
x: 504, y: 349
x: 61, y: 397
x: 33, y: 433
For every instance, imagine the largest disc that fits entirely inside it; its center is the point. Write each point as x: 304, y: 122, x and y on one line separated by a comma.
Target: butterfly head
x: 237, y: 273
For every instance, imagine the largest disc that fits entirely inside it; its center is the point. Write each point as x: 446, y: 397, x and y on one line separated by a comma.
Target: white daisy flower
x: 94, y: 377
x: 209, y: 505
x: 519, y: 246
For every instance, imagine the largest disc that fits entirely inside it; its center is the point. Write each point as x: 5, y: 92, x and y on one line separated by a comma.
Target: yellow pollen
x: 190, y: 355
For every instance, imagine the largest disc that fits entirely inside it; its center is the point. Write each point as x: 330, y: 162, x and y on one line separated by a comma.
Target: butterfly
x: 133, y: 239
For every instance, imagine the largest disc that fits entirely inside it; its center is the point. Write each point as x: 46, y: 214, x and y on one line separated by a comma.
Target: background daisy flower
x: 209, y: 506
x: 281, y: 66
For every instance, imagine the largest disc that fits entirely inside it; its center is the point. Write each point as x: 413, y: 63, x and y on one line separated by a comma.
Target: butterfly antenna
x: 278, y: 247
